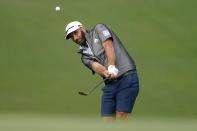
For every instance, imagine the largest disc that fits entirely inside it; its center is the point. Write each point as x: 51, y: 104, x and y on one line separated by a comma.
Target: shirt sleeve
x: 88, y: 62
x: 103, y: 32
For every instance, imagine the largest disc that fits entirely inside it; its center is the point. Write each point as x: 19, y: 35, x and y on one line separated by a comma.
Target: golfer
x: 103, y: 53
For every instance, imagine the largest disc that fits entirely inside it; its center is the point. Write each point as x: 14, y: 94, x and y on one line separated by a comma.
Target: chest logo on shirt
x: 95, y: 40
x: 106, y: 33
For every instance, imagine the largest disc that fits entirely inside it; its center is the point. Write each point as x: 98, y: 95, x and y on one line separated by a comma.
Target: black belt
x: 120, y: 77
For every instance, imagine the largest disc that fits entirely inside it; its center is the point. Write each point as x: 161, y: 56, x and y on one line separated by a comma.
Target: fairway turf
x: 41, y: 72
x: 30, y: 122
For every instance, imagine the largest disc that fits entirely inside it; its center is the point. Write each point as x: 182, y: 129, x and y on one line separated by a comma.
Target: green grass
x: 38, y: 122
x: 41, y: 72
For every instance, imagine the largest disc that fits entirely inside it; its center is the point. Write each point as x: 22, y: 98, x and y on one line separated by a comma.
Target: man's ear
x: 83, y: 28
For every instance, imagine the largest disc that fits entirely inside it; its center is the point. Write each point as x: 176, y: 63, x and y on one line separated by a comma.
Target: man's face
x: 78, y: 37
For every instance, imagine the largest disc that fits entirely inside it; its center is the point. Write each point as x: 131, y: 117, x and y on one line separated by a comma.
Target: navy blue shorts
x: 120, y: 95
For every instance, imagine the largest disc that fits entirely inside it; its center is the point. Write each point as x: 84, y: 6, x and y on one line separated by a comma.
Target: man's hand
x: 109, y: 75
x: 101, y: 70
x: 105, y: 74
x: 113, y: 71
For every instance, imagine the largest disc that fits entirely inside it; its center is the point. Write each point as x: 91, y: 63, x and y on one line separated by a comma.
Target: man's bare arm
x: 100, y: 69
x: 109, y: 50
x: 110, y: 53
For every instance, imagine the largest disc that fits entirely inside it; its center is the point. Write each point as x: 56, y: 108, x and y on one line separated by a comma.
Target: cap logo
x: 72, y: 27
x: 69, y: 29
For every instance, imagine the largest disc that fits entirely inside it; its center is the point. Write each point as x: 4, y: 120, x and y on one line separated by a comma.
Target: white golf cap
x: 72, y: 26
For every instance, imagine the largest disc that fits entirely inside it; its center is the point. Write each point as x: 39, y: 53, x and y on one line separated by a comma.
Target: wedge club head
x: 83, y: 93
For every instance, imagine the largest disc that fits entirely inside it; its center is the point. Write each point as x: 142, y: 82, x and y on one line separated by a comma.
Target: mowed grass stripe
x: 38, y: 122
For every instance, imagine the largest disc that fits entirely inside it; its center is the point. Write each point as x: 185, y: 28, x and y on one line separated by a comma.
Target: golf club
x: 91, y: 90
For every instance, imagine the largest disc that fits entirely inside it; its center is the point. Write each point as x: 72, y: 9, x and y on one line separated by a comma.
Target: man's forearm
x: 109, y: 50
x: 99, y: 69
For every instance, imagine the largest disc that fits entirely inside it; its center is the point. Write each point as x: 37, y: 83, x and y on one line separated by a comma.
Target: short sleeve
x: 87, y: 62
x: 103, y: 32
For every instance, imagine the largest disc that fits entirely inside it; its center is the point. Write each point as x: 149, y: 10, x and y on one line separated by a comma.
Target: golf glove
x: 113, y: 69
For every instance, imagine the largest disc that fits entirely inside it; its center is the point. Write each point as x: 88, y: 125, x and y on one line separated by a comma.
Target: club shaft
x: 91, y: 90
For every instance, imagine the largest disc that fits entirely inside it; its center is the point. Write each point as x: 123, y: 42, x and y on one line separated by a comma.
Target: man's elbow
x: 108, y: 42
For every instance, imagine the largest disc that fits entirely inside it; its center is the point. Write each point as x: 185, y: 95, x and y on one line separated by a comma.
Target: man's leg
x: 119, y: 116
x: 122, y: 115
x: 108, y: 103
x: 108, y: 118
x: 126, y: 96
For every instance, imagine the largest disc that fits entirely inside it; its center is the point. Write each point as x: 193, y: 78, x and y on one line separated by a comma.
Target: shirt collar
x: 81, y: 48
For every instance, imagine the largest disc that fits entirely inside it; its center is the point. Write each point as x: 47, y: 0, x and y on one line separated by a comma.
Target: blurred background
x: 41, y: 73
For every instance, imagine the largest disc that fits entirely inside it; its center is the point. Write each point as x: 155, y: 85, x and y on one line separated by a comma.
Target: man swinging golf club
x: 102, y: 52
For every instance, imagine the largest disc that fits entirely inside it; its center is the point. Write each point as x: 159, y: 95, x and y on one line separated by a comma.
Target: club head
x: 83, y: 93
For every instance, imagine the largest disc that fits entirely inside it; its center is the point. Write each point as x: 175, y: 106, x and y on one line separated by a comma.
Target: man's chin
x: 82, y: 43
